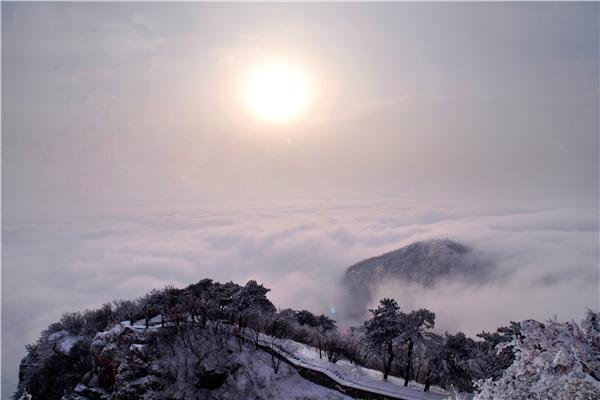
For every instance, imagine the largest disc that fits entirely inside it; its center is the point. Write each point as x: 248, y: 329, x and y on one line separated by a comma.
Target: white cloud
x: 300, y: 251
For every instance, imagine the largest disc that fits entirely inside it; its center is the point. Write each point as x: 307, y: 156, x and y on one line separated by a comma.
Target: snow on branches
x: 559, y: 361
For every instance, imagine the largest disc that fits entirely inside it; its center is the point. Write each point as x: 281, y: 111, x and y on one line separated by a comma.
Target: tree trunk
x: 427, y: 380
x: 388, y: 366
x: 408, y: 362
x: 427, y: 384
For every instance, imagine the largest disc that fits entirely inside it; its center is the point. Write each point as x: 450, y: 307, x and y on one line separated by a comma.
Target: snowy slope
x: 249, y: 373
x: 356, y: 376
x: 342, y: 372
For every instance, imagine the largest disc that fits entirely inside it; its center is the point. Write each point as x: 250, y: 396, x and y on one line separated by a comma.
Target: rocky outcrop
x: 123, y: 367
x: 109, y: 350
x: 56, y: 361
x: 175, y: 363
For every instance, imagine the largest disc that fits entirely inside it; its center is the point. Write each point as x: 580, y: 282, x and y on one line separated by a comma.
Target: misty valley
x: 214, y: 340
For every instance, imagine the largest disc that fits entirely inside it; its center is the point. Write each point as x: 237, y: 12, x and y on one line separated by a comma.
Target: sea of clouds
x: 52, y: 265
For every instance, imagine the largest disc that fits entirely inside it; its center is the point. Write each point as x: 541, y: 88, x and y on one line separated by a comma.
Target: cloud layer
x: 300, y: 251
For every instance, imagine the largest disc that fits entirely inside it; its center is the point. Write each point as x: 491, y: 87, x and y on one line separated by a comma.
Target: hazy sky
x: 130, y: 159
x: 109, y: 105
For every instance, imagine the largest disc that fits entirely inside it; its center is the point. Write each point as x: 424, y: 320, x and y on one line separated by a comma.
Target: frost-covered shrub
x: 97, y: 320
x: 54, y: 327
x: 559, y: 361
x: 72, y: 322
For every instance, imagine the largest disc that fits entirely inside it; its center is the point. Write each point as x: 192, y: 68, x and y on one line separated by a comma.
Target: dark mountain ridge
x: 425, y: 263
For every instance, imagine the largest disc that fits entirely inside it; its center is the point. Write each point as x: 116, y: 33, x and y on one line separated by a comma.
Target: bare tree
x: 277, y: 350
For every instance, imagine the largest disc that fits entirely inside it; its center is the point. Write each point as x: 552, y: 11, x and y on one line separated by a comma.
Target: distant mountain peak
x: 425, y: 262
x: 415, y: 253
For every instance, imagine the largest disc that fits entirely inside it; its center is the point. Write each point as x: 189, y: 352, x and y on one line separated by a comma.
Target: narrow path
x: 321, y: 378
x: 332, y: 379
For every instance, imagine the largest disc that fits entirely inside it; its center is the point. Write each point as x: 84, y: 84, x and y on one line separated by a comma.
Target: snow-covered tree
x: 305, y: 317
x: 320, y: 326
x: 202, y: 301
x: 278, y: 349
x: 559, y: 361
x: 448, y: 363
x: 252, y: 299
x: 382, y: 330
x: 355, y: 345
x: 458, y: 350
x: 486, y: 361
x: 414, y: 325
x: 390, y: 328
x: 333, y: 346
x: 324, y: 327
x: 251, y: 303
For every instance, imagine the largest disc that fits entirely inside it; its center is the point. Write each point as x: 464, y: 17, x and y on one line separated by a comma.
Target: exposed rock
x: 108, y: 350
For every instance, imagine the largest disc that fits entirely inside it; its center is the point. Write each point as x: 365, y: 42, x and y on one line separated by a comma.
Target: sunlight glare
x: 277, y: 92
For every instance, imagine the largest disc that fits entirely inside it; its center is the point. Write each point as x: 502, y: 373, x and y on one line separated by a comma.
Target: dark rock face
x: 59, y: 361
x: 211, y: 380
x: 425, y: 263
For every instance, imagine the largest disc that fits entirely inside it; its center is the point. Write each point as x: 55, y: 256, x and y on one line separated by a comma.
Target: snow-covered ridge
x: 229, y: 370
x: 425, y: 263
x: 422, y: 262
x: 226, y: 341
x: 301, y: 355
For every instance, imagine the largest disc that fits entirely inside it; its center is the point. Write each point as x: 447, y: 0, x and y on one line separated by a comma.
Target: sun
x: 277, y: 92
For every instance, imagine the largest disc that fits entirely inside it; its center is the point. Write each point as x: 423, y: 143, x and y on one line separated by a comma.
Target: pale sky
x: 131, y: 158
x: 117, y: 104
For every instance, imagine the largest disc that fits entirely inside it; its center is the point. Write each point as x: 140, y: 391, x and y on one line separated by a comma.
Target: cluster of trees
x: 200, y: 318
x: 200, y: 302
x: 403, y: 343
x: 391, y: 340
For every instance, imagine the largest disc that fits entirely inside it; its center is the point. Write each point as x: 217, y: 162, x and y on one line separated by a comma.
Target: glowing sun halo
x: 277, y: 92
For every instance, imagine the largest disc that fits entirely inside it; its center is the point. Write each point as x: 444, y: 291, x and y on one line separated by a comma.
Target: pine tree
x: 414, y: 325
x: 382, y: 330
